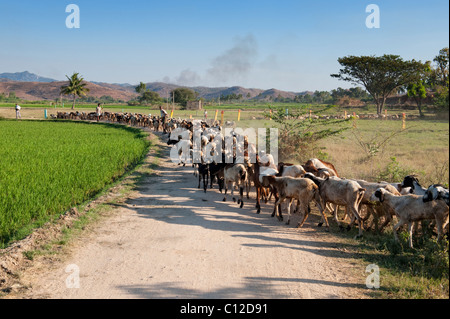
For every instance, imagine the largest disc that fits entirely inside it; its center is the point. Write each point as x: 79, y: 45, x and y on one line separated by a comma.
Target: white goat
x: 399, y: 188
x: 374, y: 208
x: 184, y: 152
x: 412, y: 208
x: 340, y: 192
x: 291, y: 170
x: 267, y: 160
x: 235, y: 174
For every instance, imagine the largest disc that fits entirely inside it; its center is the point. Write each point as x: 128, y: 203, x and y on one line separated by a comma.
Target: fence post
x: 239, y: 115
x: 215, y: 117
x: 403, y: 121
x: 221, y: 119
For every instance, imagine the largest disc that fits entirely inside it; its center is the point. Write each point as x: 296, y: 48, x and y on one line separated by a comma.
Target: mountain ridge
x: 29, y: 86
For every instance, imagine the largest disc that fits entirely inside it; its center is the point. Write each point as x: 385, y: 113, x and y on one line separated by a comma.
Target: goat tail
x: 361, y: 193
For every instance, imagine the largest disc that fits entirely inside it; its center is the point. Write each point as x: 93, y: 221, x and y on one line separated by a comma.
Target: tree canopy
x: 439, y: 79
x: 183, y: 95
x: 380, y: 76
x: 146, y: 96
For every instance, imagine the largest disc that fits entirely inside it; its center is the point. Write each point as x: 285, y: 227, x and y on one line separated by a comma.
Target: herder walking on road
x: 163, y: 117
x: 18, y: 116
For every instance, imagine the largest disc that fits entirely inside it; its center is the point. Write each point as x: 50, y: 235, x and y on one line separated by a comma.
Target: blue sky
x: 288, y: 45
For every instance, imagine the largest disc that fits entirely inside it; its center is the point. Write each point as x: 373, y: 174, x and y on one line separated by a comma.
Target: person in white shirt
x: 98, y: 111
x: 18, y: 116
x: 163, y: 118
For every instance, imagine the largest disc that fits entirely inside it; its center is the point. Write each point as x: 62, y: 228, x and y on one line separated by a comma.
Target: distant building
x: 194, y: 105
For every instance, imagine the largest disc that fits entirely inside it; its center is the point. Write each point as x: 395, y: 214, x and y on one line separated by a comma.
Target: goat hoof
x: 234, y: 199
x: 224, y: 199
x: 238, y: 201
x: 242, y: 205
x: 319, y: 224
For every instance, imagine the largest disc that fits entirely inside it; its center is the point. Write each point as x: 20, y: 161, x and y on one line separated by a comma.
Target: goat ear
x: 379, y: 194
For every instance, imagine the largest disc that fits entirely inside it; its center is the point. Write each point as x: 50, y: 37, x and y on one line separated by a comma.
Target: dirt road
x: 171, y: 240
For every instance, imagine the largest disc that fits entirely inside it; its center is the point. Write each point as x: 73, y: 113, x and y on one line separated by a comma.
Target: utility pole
x: 173, y: 104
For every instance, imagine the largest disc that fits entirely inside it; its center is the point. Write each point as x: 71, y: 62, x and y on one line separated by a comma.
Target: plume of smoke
x: 235, y: 62
x: 188, y: 78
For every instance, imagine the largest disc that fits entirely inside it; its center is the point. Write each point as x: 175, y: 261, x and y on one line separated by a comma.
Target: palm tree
x: 75, y: 87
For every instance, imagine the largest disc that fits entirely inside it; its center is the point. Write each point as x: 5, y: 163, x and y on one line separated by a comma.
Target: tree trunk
x: 74, y: 98
x: 380, y: 106
x: 419, y: 106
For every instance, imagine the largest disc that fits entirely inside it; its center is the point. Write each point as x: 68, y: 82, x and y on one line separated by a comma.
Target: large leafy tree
x: 183, y: 95
x: 442, y: 67
x: 439, y: 79
x: 380, y: 76
x: 147, y: 96
x: 76, y: 87
x: 418, y: 89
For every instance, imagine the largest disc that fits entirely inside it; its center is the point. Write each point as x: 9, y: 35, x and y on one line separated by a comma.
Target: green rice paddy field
x: 47, y: 167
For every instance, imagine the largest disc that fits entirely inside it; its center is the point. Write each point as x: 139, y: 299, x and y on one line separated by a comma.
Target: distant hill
x: 35, y: 91
x: 273, y: 94
x: 32, y: 87
x: 163, y: 89
x: 25, y: 77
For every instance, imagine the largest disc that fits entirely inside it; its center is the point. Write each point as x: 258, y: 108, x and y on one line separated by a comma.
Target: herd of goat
x: 315, y: 182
